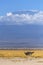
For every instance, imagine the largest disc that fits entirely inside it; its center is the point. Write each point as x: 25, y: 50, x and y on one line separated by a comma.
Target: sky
x: 15, y: 5
x: 34, y: 33
x: 9, y: 6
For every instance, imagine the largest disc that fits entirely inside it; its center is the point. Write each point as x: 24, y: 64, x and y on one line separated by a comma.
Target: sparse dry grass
x: 21, y: 53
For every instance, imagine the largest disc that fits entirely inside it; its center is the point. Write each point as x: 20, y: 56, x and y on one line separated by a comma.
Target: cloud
x: 12, y: 19
x: 9, y: 14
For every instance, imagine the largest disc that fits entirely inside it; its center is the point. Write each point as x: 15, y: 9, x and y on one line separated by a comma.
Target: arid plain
x: 21, y: 57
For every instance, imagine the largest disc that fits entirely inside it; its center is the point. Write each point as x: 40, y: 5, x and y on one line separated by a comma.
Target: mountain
x: 30, y: 12
x: 27, y: 35
x: 21, y: 36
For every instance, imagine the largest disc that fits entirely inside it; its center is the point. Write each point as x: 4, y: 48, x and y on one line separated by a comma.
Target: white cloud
x: 9, y: 14
x: 10, y: 18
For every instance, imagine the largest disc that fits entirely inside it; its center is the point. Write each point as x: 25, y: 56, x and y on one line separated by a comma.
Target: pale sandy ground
x: 20, y: 61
